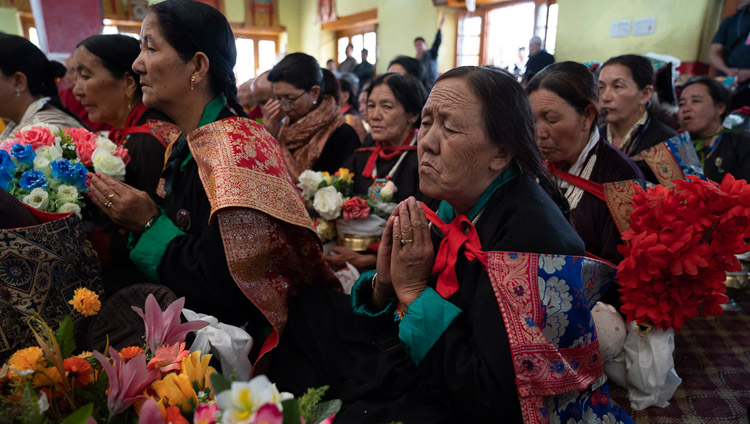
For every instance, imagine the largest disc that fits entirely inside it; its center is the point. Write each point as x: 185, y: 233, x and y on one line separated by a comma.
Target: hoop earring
x: 192, y: 82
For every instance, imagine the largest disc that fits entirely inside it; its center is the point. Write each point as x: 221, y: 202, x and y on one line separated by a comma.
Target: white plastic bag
x: 229, y: 343
x: 645, y: 367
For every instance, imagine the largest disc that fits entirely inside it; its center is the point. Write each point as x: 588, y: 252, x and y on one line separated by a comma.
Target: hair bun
x: 57, y: 69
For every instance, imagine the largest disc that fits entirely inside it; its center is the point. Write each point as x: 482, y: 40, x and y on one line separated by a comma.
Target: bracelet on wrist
x: 151, y: 221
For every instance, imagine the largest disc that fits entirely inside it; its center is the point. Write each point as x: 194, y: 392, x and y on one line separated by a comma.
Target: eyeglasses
x: 289, y: 101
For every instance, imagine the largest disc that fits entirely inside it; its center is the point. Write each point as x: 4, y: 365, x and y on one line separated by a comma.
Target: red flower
x: 682, y: 240
x: 36, y: 136
x: 79, y: 369
x: 355, y: 208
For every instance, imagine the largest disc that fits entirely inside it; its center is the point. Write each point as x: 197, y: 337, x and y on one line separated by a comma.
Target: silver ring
x: 108, y: 204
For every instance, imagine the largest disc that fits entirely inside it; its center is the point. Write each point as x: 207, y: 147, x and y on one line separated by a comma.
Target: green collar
x: 448, y: 214
x: 210, y: 114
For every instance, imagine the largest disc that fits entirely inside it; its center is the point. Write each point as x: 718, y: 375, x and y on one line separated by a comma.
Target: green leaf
x: 80, y: 416
x: 324, y: 410
x: 219, y: 383
x: 30, y: 404
x: 309, y: 400
x: 64, y: 336
x: 290, y: 411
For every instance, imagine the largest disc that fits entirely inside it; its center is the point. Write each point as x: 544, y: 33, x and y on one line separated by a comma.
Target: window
x: 367, y: 40
x: 495, y: 35
x: 245, y: 67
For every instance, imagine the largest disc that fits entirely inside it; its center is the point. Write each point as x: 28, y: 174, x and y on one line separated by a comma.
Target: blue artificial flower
x: 32, y: 179
x: 79, y: 177
x: 7, y: 170
x: 23, y: 153
x: 63, y: 170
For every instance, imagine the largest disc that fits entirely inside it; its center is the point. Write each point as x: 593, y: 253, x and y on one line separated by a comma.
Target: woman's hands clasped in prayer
x: 405, y: 257
x: 125, y: 206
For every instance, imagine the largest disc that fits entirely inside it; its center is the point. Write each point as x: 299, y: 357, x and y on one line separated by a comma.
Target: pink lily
x: 127, y: 380
x: 268, y: 414
x: 206, y: 413
x: 164, y: 328
x: 168, y: 358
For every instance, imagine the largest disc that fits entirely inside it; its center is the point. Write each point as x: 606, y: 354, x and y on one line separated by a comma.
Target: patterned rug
x: 713, y: 358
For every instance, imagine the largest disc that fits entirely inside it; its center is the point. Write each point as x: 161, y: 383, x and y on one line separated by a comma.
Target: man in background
x: 269, y: 105
x: 538, y: 59
x: 428, y: 57
x: 350, y: 62
x: 730, y: 52
x: 364, y: 70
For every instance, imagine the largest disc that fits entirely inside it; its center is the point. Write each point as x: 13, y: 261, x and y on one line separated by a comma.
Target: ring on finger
x: 111, y: 195
x: 108, y: 204
x: 404, y: 242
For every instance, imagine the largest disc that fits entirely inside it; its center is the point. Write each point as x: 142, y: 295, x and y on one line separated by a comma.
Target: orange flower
x: 130, y: 352
x: 80, y: 369
x: 47, y: 377
x: 85, y: 301
x: 174, y: 416
x: 30, y: 358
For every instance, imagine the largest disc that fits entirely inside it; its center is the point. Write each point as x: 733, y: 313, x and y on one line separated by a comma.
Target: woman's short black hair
x: 411, y: 65
x: 408, y: 91
x: 300, y: 70
x: 509, y: 121
x: 570, y: 81
x: 18, y: 54
x: 641, y: 69
x: 717, y: 91
x: 346, y: 87
x: 331, y: 85
x: 117, y: 53
x: 190, y: 27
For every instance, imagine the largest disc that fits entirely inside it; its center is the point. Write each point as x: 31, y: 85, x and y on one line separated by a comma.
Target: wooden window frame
x: 350, y: 25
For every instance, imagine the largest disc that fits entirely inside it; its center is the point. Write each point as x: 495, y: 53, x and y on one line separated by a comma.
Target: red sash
x: 385, y: 152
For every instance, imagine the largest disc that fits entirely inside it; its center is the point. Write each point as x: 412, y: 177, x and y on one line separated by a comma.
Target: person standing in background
x: 428, y: 57
x: 730, y: 52
x: 538, y: 59
x: 350, y: 62
x: 364, y: 70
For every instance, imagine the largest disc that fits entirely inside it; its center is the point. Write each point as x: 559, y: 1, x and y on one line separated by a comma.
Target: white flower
x: 70, y: 207
x: 557, y: 298
x: 326, y: 229
x: 388, y: 190
x: 50, y: 152
x: 309, y: 182
x: 107, y: 163
x: 38, y: 198
x: 328, y: 203
x: 41, y: 163
x: 43, y: 403
x: 53, y: 129
x: 67, y: 193
x: 105, y: 143
x: 552, y: 263
x: 243, y: 399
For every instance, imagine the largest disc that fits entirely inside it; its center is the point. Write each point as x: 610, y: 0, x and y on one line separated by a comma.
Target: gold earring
x: 640, y: 108
x: 192, y: 82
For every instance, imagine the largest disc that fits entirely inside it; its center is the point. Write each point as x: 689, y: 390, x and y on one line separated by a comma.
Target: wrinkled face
x: 698, y: 114
x: 165, y: 77
x: 457, y: 160
x: 104, y: 97
x: 295, y: 102
x: 620, y: 98
x: 561, y: 131
x: 389, y: 122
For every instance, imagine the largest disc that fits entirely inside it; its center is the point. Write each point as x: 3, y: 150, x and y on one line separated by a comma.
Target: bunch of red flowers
x: 681, y: 242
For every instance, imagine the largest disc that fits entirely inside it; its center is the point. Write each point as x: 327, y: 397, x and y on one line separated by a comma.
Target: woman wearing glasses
x: 314, y: 134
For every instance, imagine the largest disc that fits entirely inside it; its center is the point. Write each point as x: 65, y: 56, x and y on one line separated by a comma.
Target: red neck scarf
x: 385, y: 152
x: 119, y: 136
x: 586, y: 185
x: 458, y: 233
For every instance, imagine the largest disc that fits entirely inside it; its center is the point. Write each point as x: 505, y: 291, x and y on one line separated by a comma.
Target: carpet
x: 713, y: 358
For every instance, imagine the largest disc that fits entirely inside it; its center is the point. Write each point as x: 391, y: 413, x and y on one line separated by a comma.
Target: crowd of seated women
x: 210, y: 206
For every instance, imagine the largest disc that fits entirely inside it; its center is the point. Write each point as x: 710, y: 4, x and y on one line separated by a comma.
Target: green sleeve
x: 361, y: 295
x: 150, y: 248
x: 426, y: 319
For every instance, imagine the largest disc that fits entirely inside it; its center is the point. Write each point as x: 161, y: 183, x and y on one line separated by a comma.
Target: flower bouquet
x: 681, y: 242
x: 356, y: 221
x: 45, y: 166
x: 159, y: 382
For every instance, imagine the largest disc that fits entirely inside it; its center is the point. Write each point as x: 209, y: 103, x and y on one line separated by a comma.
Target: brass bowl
x: 355, y: 242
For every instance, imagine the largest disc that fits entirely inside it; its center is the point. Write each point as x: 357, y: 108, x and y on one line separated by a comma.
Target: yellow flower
x: 85, y: 355
x: 345, y: 174
x: 47, y: 377
x: 196, y: 369
x: 85, y: 301
x: 175, y: 389
x: 327, y: 177
x: 30, y: 358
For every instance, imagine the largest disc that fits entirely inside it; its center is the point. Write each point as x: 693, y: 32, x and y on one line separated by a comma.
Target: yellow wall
x: 10, y: 23
x: 683, y: 28
x: 400, y: 21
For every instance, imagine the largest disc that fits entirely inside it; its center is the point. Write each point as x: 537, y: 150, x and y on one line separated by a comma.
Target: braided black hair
x: 189, y: 27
